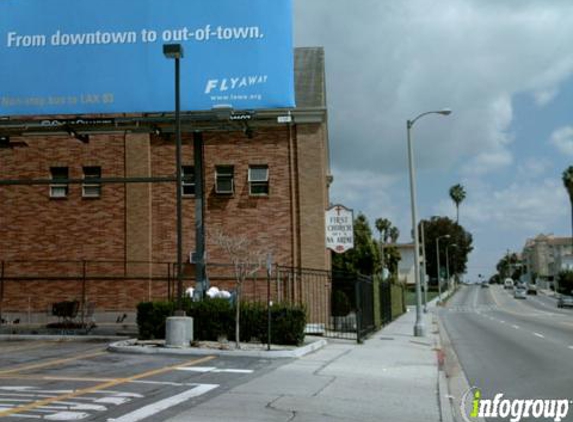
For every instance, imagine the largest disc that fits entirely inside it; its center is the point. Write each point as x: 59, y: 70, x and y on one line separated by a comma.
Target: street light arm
x: 443, y: 112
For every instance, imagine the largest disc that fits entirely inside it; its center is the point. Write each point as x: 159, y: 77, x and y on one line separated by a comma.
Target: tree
x: 439, y: 227
x: 247, y: 260
x: 509, y: 266
x: 364, y: 258
x: 383, y: 226
x: 394, y: 234
x: 568, y: 182
x: 458, y: 194
x: 565, y: 282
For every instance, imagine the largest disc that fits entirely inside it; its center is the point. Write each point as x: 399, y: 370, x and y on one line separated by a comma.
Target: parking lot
x: 62, y: 381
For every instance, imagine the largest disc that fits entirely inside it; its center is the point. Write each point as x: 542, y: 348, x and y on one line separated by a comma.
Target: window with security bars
x: 59, y: 185
x: 188, y: 181
x: 259, y: 180
x: 91, y: 188
x: 224, y: 180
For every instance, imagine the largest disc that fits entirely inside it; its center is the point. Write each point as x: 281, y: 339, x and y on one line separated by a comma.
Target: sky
x: 504, y: 68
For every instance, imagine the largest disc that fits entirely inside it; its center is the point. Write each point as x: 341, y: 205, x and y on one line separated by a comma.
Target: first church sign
x: 339, y: 229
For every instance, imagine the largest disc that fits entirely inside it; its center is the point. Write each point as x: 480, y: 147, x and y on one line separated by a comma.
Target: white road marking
x: 571, y: 347
x: 67, y: 416
x: 516, y: 327
x: 539, y: 335
x: 161, y: 405
x: 502, y: 321
x: 204, y: 369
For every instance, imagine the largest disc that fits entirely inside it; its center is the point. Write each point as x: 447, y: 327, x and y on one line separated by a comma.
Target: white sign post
x: 339, y: 229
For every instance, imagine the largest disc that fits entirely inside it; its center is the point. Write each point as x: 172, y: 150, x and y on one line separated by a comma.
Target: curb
x: 52, y: 337
x: 128, y: 347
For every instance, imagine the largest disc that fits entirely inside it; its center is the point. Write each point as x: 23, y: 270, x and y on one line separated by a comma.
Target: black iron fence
x: 339, y: 305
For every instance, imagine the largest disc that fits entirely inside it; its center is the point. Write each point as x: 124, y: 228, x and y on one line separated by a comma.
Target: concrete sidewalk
x: 393, y: 376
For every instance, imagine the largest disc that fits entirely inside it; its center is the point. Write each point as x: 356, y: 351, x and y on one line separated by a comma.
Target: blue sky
x: 504, y: 67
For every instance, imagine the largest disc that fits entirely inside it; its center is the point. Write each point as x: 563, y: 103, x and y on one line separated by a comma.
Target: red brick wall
x: 35, y: 227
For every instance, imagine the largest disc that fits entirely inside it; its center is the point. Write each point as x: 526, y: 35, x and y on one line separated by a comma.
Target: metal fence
x: 29, y: 290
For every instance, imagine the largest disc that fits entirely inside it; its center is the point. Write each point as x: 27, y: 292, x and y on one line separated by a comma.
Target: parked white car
x: 508, y: 283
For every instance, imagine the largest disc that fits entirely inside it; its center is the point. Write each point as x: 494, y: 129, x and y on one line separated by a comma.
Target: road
x: 62, y: 381
x: 521, y: 348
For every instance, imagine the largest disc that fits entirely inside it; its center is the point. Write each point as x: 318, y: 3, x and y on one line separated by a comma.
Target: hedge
x: 213, y: 318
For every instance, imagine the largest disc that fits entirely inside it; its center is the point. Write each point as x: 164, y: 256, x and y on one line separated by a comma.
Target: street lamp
x: 453, y: 245
x: 418, y: 326
x: 175, y: 51
x: 446, y: 236
x: 424, y: 268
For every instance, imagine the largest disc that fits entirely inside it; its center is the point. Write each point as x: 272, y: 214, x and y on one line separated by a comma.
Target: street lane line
x: 215, y: 370
x: 516, y: 327
x: 539, y: 335
x: 571, y: 347
x: 8, y: 350
x: 51, y: 363
x: 164, y: 404
x: 102, y: 386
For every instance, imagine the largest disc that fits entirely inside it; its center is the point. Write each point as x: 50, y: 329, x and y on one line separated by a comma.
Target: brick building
x: 62, y: 236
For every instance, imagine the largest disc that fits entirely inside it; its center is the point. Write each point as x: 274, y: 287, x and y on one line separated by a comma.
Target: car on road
x: 565, y: 301
x: 485, y: 285
x: 508, y: 283
x: 531, y: 289
x: 520, y: 292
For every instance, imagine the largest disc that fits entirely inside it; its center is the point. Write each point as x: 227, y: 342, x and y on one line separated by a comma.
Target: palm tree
x: 394, y: 234
x: 383, y: 226
x: 568, y: 182
x: 458, y: 194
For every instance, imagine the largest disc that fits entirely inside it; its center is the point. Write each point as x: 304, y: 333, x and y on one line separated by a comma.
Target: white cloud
x: 366, y: 192
x: 562, y: 139
x: 531, y: 207
x: 389, y: 61
x: 533, y: 168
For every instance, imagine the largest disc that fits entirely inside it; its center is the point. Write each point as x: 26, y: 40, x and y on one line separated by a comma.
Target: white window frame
x: 185, y: 183
x: 258, y: 182
x: 59, y: 190
x: 91, y: 190
x: 230, y: 175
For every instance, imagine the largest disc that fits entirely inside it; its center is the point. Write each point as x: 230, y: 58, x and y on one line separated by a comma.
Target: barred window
x: 188, y: 181
x: 59, y: 185
x: 91, y: 189
x: 259, y: 180
x: 224, y: 180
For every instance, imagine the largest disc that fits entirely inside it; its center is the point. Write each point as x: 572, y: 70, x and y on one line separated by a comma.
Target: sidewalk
x: 393, y: 376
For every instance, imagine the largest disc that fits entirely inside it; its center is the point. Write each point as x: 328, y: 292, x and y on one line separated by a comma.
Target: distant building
x: 544, y: 256
x: 406, y: 273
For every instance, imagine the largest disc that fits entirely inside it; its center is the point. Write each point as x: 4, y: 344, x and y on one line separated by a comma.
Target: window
x: 188, y: 181
x: 91, y: 189
x: 259, y: 180
x: 224, y: 183
x: 59, y: 185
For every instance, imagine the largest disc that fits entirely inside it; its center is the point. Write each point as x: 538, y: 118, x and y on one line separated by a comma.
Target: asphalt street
x: 522, y: 348
x: 62, y: 381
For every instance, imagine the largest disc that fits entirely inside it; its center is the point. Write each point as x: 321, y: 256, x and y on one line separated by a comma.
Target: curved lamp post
x: 446, y: 236
x: 418, y: 326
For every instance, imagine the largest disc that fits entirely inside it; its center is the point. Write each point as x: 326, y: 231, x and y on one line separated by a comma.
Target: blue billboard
x: 106, y: 56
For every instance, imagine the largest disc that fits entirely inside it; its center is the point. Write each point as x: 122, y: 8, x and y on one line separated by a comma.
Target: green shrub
x: 151, y: 318
x: 211, y: 318
x: 215, y: 317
